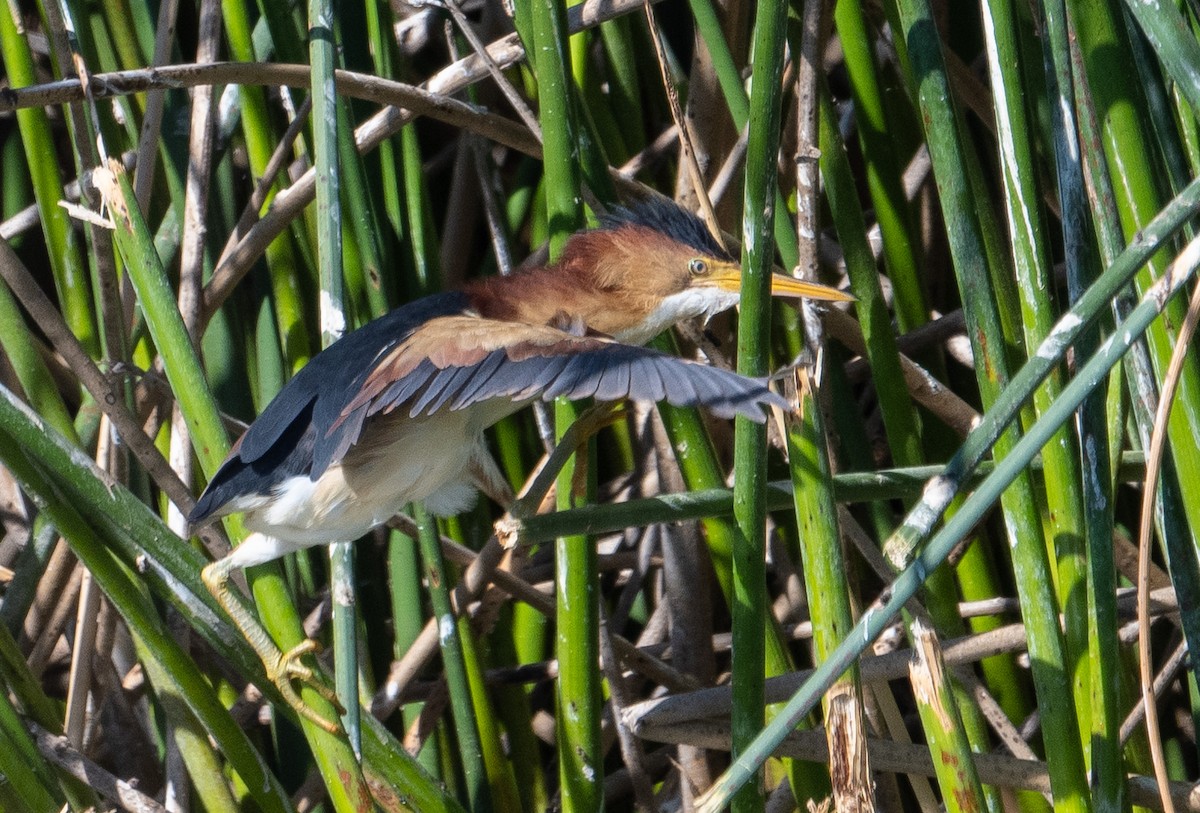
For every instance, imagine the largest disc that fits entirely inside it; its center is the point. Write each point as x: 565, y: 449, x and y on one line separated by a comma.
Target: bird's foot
x: 288, y: 668
x: 284, y: 669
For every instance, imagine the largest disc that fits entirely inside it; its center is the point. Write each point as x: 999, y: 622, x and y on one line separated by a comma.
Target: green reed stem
x: 955, y: 170
x: 26, y: 772
x: 738, y: 101
x: 1103, y: 662
x: 323, y: 57
x: 579, y: 685
x: 750, y: 439
x: 935, y: 698
x: 884, y: 168
x: 62, y: 240
x: 1137, y: 175
x: 469, y: 745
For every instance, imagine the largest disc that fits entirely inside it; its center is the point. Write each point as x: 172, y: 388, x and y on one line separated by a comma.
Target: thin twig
x: 275, y: 165
x: 731, y: 168
x: 506, y: 87
x: 1166, y: 676
x: 685, y: 134
x: 150, y: 137
x: 1154, y: 459
x: 927, y: 391
x: 58, y: 751
x: 631, y: 747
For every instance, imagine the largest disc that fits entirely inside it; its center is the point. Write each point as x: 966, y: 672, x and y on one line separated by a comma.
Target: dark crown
x: 669, y: 218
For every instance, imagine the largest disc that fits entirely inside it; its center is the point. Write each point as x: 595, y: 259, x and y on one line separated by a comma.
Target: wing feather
x: 678, y: 384
x: 346, y: 438
x: 445, y: 385
x: 529, y: 379
x: 482, y: 374
x: 403, y: 390
x: 578, y: 378
x: 708, y: 390
x: 645, y: 378
x: 454, y: 362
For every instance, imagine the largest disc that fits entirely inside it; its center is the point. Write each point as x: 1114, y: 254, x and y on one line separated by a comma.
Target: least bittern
x: 395, y: 411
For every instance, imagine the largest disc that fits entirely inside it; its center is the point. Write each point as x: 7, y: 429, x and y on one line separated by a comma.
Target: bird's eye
x: 698, y: 267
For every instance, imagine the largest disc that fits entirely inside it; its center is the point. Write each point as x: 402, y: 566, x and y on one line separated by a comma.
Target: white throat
x: 687, y: 304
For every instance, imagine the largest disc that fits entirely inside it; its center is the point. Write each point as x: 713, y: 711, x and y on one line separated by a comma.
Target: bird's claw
x: 288, y: 668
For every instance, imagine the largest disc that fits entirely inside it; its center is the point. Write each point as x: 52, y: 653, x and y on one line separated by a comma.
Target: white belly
x: 397, y: 460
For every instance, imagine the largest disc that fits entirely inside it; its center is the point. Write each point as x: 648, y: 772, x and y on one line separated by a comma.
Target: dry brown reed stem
x: 968, y: 649
x: 632, y: 752
x: 892, y: 757
x: 59, y: 752
x: 1154, y: 461
x: 815, y: 31
x: 686, y: 141
x: 64, y: 603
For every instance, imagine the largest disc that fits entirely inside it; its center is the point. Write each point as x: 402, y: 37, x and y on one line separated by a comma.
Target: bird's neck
x: 575, y: 290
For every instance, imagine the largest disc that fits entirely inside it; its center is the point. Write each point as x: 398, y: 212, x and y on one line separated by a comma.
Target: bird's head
x: 655, y: 264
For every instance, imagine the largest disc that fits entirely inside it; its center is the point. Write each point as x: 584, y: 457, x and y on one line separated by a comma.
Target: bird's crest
x: 668, y: 218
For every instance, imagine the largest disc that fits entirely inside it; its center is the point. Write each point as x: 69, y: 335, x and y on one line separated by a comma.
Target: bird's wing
x: 453, y: 362
x: 281, y: 442
x: 321, y: 389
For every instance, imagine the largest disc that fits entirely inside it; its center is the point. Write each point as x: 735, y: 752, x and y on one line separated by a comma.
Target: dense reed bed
x: 962, y: 574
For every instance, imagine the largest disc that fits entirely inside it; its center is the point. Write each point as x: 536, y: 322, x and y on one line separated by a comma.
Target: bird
x: 395, y: 411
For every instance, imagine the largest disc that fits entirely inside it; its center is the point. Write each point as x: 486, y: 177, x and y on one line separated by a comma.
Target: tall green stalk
x: 282, y: 264
x: 829, y: 600
x: 1135, y: 172
x: 30, y: 370
x: 209, y: 441
x: 25, y: 771
x: 465, y: 729
x: 579, y: 691
x: 955, y: 170
x: 1103, y: 653
x: 876, y: 134
x: 740, y: 108
x: 1112, y: 126
x: 750, y: 439
x: 323, y: 56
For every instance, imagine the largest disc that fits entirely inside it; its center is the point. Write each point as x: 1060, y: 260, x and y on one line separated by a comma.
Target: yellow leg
x: 282, y: 667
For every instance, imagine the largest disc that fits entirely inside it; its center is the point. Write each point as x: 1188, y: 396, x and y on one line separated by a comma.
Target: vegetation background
x: 1005, y: 187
